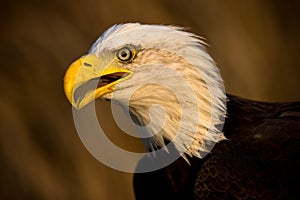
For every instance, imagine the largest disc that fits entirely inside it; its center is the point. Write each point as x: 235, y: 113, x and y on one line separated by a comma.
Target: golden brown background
x: 255, y: 43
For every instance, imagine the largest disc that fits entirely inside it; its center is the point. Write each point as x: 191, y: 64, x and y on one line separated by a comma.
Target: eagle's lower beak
x: 88, y: 79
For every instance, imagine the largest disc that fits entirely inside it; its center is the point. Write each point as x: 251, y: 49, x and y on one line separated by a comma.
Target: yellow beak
x: 88, y: 79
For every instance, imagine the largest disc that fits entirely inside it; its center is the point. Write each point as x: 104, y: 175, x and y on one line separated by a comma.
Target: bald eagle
x: 228, y: 147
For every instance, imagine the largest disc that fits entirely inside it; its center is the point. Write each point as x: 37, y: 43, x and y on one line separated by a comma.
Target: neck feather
x: 179, y: 98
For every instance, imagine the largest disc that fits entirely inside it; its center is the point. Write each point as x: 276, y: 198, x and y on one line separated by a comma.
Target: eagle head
x: 163, y: 76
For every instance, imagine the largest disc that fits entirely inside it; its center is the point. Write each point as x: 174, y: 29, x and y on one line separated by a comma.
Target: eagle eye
x: 125, y: 54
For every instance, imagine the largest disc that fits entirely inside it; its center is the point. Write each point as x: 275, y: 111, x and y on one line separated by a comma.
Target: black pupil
x: 124, y: 54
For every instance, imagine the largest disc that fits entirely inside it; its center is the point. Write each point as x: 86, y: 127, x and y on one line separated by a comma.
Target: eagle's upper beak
x: 88, y: 79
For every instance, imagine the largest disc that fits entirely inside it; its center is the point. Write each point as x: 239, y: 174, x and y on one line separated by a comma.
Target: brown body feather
x: 260, y: 159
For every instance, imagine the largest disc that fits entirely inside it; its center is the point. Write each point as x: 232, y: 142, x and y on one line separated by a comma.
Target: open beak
x: 88, y: 78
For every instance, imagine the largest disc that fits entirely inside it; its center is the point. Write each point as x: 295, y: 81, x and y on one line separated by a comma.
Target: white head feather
x: 184, y: 53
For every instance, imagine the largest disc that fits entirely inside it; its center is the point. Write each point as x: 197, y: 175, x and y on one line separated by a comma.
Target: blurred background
x: 255, y: 43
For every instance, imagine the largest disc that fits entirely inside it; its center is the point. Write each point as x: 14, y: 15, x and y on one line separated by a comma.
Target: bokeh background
x: 255, y: 43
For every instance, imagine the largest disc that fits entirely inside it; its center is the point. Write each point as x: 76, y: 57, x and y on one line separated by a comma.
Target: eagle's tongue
x: 95, y: 83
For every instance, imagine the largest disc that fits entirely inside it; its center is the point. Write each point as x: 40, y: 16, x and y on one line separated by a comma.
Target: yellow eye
x: 125, y: 54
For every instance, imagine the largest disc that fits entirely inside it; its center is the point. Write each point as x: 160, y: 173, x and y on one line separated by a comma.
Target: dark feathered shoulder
x: 259, y: 160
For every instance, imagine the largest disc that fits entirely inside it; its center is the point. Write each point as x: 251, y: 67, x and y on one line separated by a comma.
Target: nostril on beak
x: 87, y: 64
